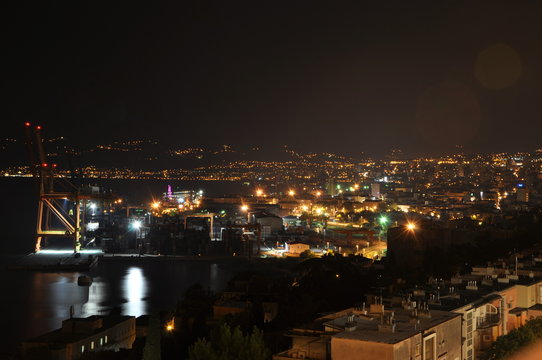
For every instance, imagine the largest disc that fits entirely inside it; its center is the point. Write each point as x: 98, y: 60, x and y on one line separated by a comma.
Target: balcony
x: 487, y: 321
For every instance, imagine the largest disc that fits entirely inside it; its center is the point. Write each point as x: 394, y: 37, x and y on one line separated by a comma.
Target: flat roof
x: 367, y: 326
x: 59, y: 337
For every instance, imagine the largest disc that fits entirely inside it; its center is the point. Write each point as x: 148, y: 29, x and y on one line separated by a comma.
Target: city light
x: 136, y: 225
x: 244, y: 207
x: 291, y: 193
x: 92, y: 206
x: 411, y: 226
x: 155, y: 205
x: 383, y: 220
x: 259, y: 192
x: 318, y: 193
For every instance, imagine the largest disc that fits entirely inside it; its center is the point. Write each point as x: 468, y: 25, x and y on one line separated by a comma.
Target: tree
x: 228, y: 344
x: 307, y: 254
x: 517, y: 339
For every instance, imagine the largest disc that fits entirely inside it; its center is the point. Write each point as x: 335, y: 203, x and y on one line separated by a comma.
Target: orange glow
x: 155, y: 205
x: 259, y: 192
x: 244, y: 207
x: 291, y: 193
x: 411, y: 226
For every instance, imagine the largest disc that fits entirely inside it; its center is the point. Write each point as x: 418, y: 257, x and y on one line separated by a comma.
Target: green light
x: 383, y: 220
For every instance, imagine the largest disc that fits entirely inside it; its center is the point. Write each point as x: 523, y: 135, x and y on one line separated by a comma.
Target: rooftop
x: 366, y: 327
x: 62, y: 337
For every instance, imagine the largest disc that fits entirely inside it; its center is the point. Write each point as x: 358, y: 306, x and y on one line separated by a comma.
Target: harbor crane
x: 61, y: 204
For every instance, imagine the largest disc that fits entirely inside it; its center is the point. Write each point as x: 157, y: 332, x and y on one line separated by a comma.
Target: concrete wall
x: 527, y: 295
x: 448, y: 338
x: 407, y: 349
x: 350, y: 349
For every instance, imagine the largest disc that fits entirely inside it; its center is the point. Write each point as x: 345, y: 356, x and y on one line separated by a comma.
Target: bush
x: 228, y: 344
x: 507, y: 345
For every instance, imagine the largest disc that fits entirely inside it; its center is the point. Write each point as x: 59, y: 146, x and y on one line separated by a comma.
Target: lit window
x: 101, y: 341
x: 92, y: 345
x: 106, y: 339
x: 83, y: 348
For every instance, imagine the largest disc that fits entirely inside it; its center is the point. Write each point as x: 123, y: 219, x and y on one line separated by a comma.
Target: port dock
x: 57, y: 260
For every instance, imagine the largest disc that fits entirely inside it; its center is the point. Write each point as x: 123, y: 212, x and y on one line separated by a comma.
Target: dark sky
x: 368, y: 77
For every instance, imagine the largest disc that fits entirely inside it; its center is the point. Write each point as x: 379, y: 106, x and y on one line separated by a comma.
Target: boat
x: 84, y: 280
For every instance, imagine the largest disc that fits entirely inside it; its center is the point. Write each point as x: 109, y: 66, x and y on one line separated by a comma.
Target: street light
x: 259, y: 192
x: 383, y: 220
x: 244, y: 207
x: 291, y: 193
x: 411, y: 227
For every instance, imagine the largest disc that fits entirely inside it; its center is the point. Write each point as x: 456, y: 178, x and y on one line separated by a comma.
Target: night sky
x: 368, y: 77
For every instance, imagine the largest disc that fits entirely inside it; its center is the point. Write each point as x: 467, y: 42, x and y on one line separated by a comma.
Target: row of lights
x: 291, y: 192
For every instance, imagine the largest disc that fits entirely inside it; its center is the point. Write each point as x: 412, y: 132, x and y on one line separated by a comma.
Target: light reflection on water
x: 135, y: 289
x: 97, y: 295
x: 38, y: 302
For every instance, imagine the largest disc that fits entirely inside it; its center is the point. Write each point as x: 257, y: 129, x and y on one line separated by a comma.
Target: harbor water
x: 37, y: 302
